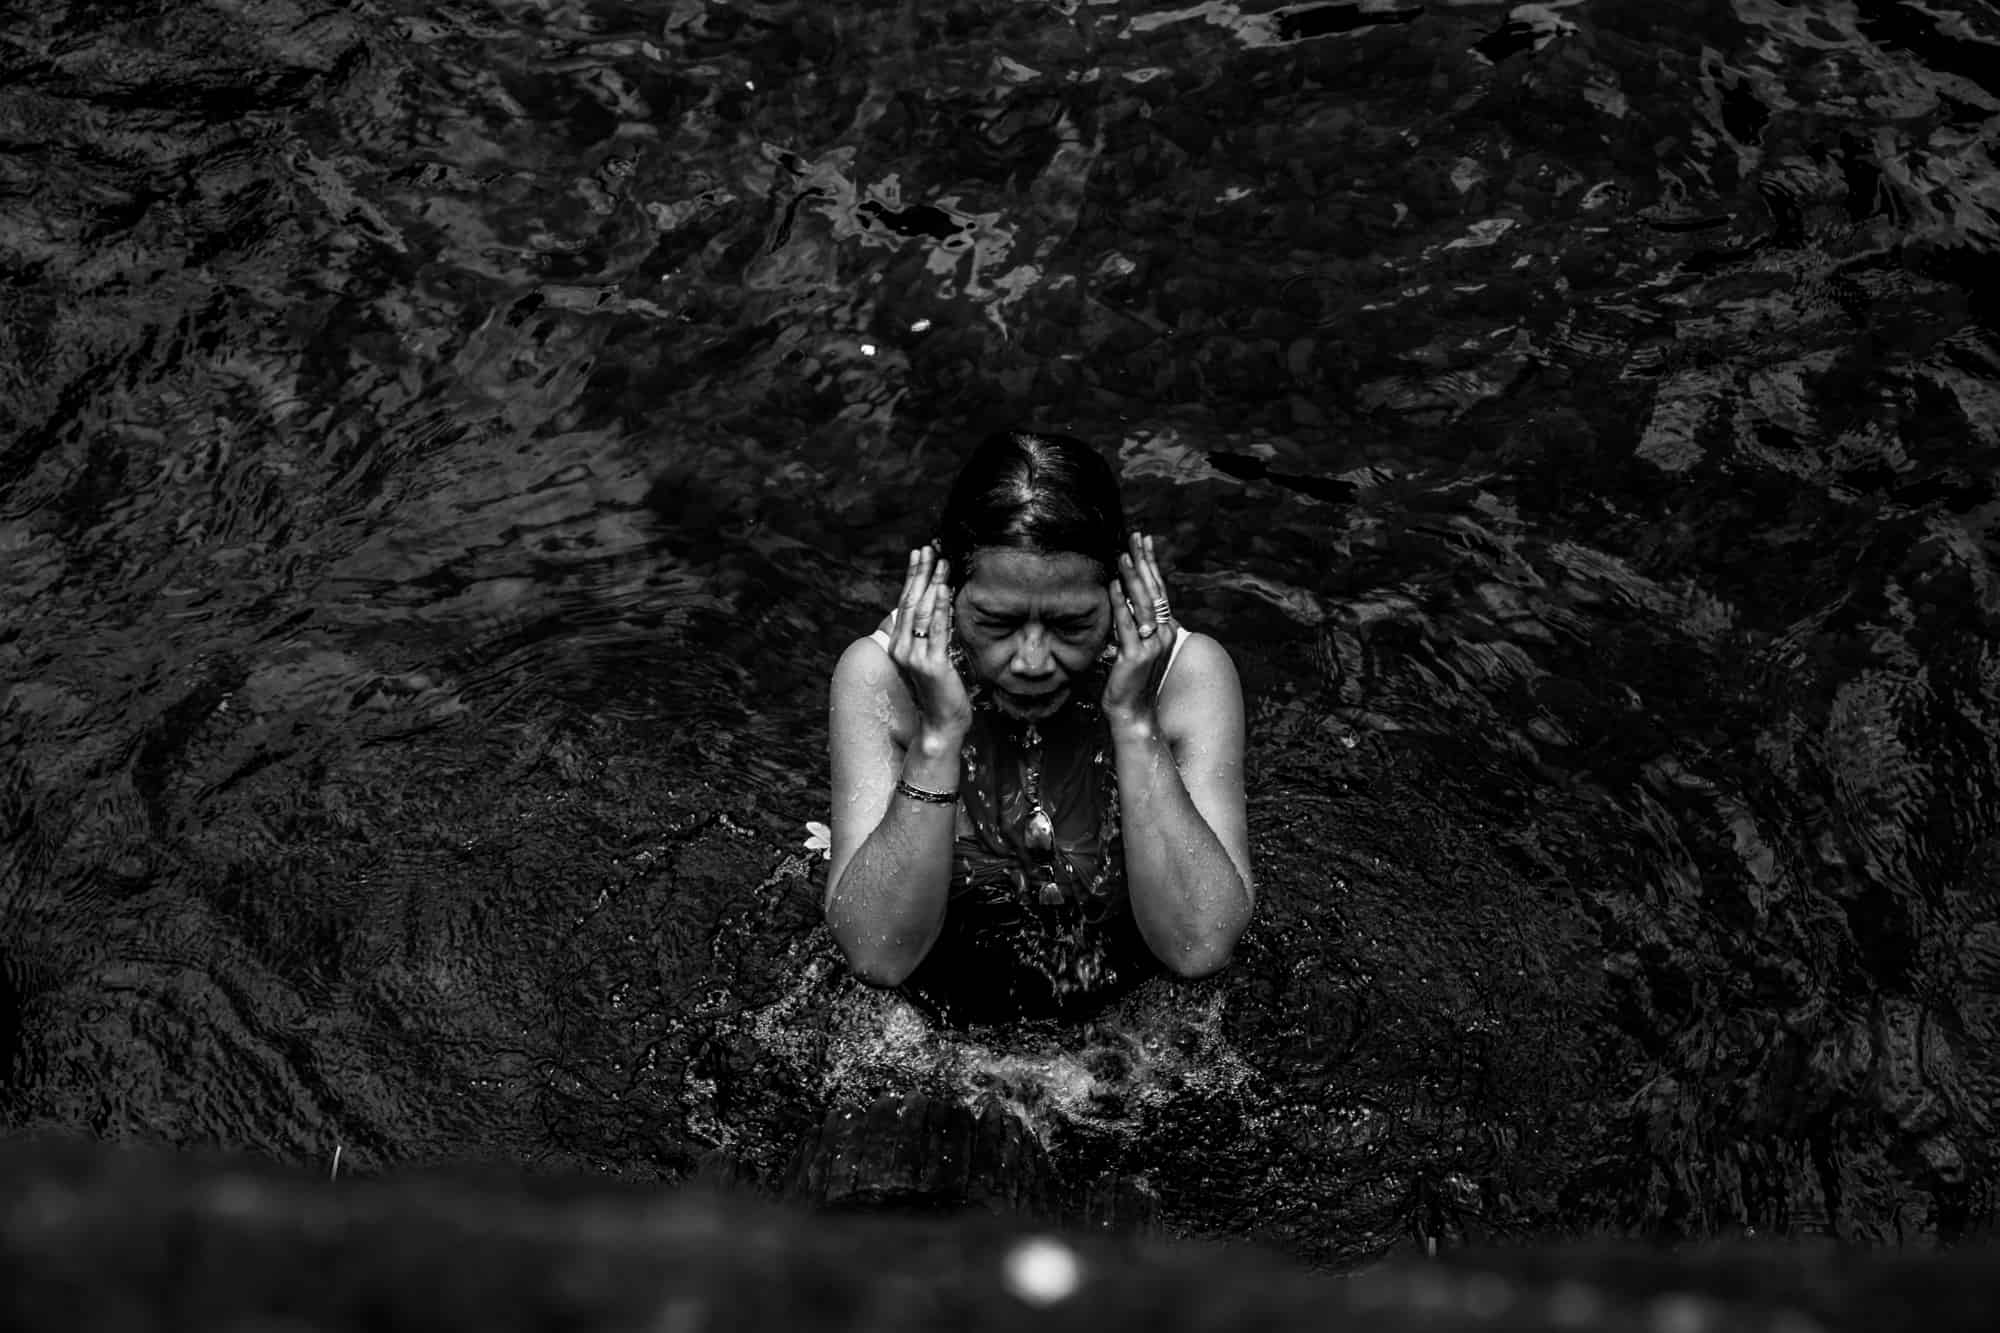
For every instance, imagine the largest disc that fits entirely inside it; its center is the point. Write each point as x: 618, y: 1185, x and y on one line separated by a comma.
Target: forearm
x: 1188, y: 898
x: 887, y: 907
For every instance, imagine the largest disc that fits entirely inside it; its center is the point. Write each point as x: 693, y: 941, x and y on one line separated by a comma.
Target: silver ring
x: 1161, y: 611
x: 920, y: 634
x: 1148, y: 631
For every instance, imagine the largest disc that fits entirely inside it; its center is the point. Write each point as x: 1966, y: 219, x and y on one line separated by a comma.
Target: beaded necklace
x: 1038, y: 832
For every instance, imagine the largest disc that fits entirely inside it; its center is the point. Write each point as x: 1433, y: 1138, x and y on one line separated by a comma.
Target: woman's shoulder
x: 879, y: 636
x: 868, y: 655
x: 865, y: 672
x: 1198, y: 653
x: 1200, y: 676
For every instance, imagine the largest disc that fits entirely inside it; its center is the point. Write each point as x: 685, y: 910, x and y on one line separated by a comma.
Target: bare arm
x: 1181, y: 810
x: 897, y: 713
x: 890, y: 872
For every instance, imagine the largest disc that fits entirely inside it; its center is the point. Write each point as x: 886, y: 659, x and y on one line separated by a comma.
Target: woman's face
x: 1032, y: 624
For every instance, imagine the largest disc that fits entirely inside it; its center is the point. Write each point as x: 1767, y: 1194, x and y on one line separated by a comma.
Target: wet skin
x: 1032, y: 624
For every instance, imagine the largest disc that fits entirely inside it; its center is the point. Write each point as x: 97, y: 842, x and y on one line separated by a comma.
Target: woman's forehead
x: 1004, y: 578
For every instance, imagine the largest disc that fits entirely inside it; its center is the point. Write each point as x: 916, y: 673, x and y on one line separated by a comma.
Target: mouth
x: 1031, y: 702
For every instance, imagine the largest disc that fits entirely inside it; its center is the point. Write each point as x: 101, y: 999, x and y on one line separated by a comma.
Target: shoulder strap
x: 1173, y: 653
x: 883, y: 631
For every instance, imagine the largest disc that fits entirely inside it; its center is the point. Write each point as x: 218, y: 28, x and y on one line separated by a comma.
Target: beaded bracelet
x: 929, y: 797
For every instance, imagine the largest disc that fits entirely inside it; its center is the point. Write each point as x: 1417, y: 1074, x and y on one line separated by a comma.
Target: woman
x: 1037, y: 775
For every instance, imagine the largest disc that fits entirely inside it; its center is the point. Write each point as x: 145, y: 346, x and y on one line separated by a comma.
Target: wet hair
x: 1033, y: 491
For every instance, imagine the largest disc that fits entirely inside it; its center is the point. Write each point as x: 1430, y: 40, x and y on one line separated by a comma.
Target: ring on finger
x: 1147, y: 631
x: 1161, y: 611
x: 920, y: 634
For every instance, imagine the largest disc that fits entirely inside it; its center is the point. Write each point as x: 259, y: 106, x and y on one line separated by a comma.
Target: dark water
x: 444, y: 447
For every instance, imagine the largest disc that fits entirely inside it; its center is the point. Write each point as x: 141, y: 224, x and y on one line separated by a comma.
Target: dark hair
x: 1033, y: 491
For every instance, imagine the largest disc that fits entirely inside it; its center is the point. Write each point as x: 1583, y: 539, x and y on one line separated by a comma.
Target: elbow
x: 882, y: 947
x: 885, y: 963
x: 887, y: 973
x: 1195, y: 962
x: 1206, y: 953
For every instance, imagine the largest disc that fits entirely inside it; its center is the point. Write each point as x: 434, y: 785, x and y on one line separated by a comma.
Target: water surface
x: 444, y: 448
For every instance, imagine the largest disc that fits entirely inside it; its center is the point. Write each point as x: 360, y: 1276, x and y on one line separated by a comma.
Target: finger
x: 909, y: 581
x: 1149, y: 569
x: 912, y: 579
x: 1128, y: 575
x: 1123, y: 622
x: 910, y: 615
x: 906, y: 604
x: 1136, y: 594
x: 925, y: 611
x: 938, y: 621
x: 1156, y: 594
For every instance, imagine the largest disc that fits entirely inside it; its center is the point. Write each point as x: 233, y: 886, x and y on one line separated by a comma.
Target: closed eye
x: 1064, y: 625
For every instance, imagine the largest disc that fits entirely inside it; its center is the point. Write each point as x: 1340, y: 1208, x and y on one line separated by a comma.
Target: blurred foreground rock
x: 105, y: 1238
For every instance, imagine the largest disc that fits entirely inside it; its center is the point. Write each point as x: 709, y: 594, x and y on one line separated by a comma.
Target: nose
x: 1032, y: 659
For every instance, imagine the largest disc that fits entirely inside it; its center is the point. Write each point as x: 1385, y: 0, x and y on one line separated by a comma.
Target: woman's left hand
x: 1144, y: 642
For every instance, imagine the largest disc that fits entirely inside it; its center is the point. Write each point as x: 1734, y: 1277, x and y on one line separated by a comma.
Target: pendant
x: 1051, y: 893
x: 1041, y: 831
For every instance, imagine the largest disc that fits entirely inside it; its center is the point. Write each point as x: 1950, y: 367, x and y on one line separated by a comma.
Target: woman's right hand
x: 924, y: 658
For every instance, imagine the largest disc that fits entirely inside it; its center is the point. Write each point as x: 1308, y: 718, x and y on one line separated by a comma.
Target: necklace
x: 1040, y: 833
x: 1041, y: 830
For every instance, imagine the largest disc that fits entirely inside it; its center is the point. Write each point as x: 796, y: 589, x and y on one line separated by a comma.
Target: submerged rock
x: 922, y: 1153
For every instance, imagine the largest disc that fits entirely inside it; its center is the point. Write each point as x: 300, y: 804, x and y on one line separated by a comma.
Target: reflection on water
x: 443, y: 450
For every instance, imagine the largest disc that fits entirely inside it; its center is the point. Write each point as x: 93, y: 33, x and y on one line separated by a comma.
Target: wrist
x: 1133, y: 726
x: 937, y: 742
